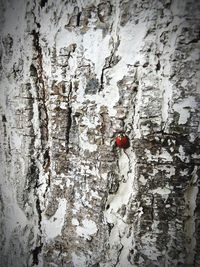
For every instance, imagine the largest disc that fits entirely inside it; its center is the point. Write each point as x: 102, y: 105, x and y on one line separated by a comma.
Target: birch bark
x: 73, y: 75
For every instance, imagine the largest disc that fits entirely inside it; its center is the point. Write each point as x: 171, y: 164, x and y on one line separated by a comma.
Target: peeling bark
x: 74, y: 74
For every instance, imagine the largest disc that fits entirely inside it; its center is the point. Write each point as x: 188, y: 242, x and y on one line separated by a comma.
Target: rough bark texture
x: 74, y: 74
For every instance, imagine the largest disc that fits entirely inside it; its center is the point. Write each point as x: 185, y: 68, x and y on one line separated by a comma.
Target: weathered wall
x: 73, y: 74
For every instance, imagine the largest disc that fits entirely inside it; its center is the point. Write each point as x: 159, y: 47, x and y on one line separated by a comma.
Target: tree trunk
x: 74, y: 74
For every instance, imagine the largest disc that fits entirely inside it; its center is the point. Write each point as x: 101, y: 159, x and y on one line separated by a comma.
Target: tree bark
x: 74, y: 74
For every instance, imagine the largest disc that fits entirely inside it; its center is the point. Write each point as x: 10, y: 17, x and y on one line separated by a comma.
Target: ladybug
x: 122, y: 141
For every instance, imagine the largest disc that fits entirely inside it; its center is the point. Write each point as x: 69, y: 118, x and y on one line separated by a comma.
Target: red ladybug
x: 122, y: 141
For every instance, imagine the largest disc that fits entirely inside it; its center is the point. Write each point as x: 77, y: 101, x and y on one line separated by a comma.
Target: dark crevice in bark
x: 78, y: 19
x: 46, y: 163
x: 38, y: 74
x: 69, y: 124
x: 4, y: 129
x: 34, y: 16
x: 35, y: 253
x: 158, y: 66
x: 39, y: 211
x: 4, y: 118
x: 36, y: 44
x: 32, y: 174
x: 194, y: 41
x: 37, y: 250
x: 69, y: 118
x: 197, y: 225
x: 103, y: 126
x: 119, y: 254
x: 43, y: 3
x: 110, y: 62
x: 9, y: 148
x: 152, y: 210
x: 106, y: 66
x: 33, y: 184
x: 102, y: 77
x: 110, y: 227
x: 33, y: 70
x: 36, y: 71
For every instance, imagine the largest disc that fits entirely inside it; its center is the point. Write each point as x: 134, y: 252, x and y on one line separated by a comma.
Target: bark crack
x: 109, y: 62
x: 37, y: 250
x: 36, y: 72
x: 119, y: 252
x: 78, y: 19
x: 129, y: 164
x: 33, y: 183
x: 69, y: 118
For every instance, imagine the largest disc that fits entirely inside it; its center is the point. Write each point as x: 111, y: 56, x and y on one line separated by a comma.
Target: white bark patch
x: 53, y: 226
x: 98, y: 51
x: 58, y: 135
x: 75, y: 221
x: 163, y: 154
x: 84, y: 142
x: 126, y: 188
x: 78, y: 259
x: 166, y: 86
x: 184, y: 107
x: 89, y: 228
x: 164, y: 192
